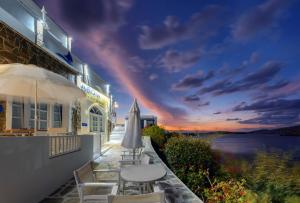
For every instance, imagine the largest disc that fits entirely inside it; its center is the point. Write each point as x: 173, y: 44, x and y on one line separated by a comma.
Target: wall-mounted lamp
x: 116, y: 105
x: 107, y: 89
x: 69, y: 45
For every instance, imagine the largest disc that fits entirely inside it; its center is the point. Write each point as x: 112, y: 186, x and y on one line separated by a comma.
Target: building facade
x: 29, y: 36
x: 146, y: 121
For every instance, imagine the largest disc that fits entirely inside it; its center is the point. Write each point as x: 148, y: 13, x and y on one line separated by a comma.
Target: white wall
x: 26, y: 172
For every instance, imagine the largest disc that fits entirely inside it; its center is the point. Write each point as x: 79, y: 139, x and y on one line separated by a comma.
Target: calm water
x: 248, y: 144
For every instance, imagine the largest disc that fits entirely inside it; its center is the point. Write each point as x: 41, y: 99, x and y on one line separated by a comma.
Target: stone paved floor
x: 176, y: 191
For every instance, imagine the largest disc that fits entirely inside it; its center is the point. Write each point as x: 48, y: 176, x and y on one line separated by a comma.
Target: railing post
x: 59, y: 145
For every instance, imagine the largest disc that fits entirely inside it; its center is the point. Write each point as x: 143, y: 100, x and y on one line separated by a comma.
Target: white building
x: 50, y: 48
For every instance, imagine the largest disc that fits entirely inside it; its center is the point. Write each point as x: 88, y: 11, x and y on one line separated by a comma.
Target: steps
x: 117, y: 134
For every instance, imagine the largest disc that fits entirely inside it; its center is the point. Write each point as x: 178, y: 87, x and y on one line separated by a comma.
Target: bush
x: 227, y: 192
x: 197, y: 181
x: 189, y: 154
x: 157, y: 134
x: 274, y: 175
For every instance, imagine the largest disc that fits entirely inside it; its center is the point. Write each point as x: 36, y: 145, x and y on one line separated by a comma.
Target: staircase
x: 117, y: 135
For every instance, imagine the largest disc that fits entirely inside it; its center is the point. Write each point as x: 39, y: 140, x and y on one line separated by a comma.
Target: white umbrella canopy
x: 133, y: 133
x: 21, y: 80
x: 34, y: 82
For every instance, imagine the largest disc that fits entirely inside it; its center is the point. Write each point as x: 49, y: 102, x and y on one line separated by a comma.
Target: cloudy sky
x: 197, y: 65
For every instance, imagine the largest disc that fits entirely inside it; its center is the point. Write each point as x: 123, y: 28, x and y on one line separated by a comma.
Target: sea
x: 252, y: 143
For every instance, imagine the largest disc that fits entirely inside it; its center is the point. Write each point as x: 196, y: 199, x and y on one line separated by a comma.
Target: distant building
x: 146, y: 120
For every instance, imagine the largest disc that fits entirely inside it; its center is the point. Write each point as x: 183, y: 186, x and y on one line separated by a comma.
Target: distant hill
x: 288, y: 131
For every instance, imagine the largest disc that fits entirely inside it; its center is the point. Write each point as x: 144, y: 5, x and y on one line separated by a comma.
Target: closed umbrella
x: 38, y: 83
x: 133, y: 134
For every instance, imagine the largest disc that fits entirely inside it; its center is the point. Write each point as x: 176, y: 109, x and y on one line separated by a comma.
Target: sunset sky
x: 197, y: 65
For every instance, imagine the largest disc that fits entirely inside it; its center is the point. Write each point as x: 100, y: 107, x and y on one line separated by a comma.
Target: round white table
x: 142, y: 173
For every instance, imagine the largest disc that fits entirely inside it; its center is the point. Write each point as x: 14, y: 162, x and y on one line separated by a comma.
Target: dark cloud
x: 276, y: 85
x: 260, y: 18
x: 265, y: 74
x: 175, y: 61
x: 233, y: 71
x: 233, y: 119
x: 215, y: 87
x: 280, y: 118
x: 203, y: 104
x: 195, y: 101
x: 272, y: 112
x: 173, y: 30
x: 192, y: 98
x: 269, y: 105
x: 193, y: 81
x: 218, y: 112
x: 84, y: 15
x: 255, y: 80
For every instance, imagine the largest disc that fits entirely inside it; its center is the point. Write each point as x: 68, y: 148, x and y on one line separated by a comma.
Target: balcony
x: 175, y: 190
x: 23, y: 16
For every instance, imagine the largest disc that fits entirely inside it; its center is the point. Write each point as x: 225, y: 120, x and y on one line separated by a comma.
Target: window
x: 42, y: 113
x: 17, y: 115
x: 96, y: 122
x: 57, y: 116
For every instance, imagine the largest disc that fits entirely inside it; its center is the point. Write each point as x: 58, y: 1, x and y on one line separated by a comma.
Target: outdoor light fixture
x: 107, y: 89
x: 69, y: 43
x: 85, y: 73
x: 116, y: 105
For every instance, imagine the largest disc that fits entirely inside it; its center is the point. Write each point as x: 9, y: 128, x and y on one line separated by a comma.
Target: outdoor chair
x: 89, y: 189
x: 143, y: 159
x: 128, y: 154
x: 157, y: 196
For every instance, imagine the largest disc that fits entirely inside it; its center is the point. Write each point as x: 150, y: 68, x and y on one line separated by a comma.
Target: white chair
x: 128, y: 154
x: 88, y: 187
x: 155, y: 197
x: 144, y: 159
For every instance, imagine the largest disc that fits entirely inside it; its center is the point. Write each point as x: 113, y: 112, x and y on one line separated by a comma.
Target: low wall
x: 27, y: 174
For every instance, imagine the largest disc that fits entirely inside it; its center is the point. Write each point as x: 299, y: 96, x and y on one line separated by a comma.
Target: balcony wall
x: 15, y: 48
x: 27, y: 173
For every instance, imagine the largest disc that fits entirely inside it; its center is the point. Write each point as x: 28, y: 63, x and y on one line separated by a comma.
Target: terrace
x: 174, y: 189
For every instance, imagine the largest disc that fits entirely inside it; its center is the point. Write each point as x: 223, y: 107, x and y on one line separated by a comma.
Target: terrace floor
x: 176, y: 191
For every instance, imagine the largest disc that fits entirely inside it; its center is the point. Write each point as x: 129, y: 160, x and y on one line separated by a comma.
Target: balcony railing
x: 60, y: 145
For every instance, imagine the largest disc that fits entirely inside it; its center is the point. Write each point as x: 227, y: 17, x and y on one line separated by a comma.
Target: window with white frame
x: 96, y: 120
x: 57, y: 116
x: 17, y: 115
x: 42, y: 113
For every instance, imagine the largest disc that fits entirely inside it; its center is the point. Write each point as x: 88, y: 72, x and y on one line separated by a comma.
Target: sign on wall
x: 94, y: 95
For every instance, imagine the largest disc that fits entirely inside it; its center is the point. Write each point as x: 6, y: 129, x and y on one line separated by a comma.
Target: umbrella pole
x: 35, y: 109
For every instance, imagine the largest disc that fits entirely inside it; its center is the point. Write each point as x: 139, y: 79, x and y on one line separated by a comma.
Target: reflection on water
x: 251, y: 143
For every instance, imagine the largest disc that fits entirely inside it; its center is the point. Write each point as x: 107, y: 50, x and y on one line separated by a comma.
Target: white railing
x: 59, y: 145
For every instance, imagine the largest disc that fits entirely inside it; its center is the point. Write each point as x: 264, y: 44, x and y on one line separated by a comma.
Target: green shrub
x: 197, y: 181
x: 157, y: 134
x: 189, y: 154
x: 275, y: 175
x: 292, y: 199
x: 227, y: 192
